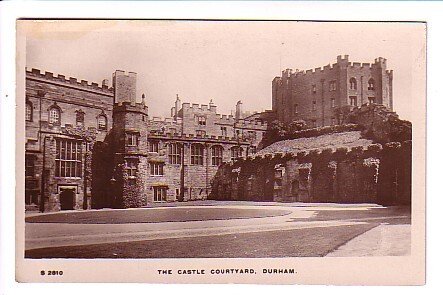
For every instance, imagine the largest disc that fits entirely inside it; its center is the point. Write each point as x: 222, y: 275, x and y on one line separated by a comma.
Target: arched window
x: 54, y: 116
x: 79, y: 118
x: 371, y: 85
x: 236, y: 152
x: 28, y: 111
x: 102, y: 122
x: 174, y: 153
x: 197, y: 154
x: 353, y: 84
x: 216, y: 155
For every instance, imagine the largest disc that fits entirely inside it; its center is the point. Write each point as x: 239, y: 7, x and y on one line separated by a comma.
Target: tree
x: 276, y: 131
x: 342, y: 113
x: 296, y: 125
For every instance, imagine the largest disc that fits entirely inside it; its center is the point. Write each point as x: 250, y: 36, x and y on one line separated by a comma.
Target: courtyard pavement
x: 389, y: 233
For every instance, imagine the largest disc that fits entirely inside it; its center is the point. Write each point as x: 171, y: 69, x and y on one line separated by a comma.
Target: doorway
x: 67, y: 199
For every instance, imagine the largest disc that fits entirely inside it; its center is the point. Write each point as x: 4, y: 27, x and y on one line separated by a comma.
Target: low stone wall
x: 378, y: 174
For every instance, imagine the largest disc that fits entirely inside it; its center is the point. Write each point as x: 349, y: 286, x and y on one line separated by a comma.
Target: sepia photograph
x: 203, y: 139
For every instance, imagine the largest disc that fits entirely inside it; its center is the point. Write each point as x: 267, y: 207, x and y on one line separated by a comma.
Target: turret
x: 125, y: 86
x: 380, y: 63
x: 130, y: 133
x: 212, y: 107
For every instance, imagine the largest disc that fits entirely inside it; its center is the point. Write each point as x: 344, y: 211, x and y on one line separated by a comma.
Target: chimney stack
x: 238, y: 110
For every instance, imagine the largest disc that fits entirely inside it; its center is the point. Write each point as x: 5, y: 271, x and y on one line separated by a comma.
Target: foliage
x: 341, y: 113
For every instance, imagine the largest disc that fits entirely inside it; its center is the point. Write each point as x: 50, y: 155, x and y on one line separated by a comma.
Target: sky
x: 225, y: 61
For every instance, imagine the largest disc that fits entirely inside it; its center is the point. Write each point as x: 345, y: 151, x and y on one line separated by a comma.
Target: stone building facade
x: 96, y: 146
x: 316, y: 96
x: 64, y: 117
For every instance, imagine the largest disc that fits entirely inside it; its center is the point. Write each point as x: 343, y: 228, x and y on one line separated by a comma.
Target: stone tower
x: 130, y: 127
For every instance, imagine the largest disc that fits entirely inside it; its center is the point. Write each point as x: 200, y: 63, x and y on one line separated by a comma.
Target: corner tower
x: 130, y: 127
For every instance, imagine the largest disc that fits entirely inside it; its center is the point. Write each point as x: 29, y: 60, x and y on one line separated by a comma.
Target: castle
x: 315, y: 95
x: 97, y: 146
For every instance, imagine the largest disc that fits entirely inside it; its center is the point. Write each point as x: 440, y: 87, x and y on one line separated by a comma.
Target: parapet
x: 225, y: 119
x: 340, y: 60
x: 126, y: 106
x: 202, y: 107
x: 123, y: 73
x: 250, y: 124
x: 71, y: 81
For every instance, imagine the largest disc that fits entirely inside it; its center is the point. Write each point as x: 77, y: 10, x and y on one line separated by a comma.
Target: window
x: 102, y: 122
x: 371, y: 99
x: 236, y: 152
x: 201, y: 133
x: 314, y: 105
x: 353, y: 84
x: 332, y: 85
x: 79, y: 118
x: 333, y: 102
x: 159, y: 194
x: 314, y: 123
x: 224, y: 131
x: 157, y: 169
x: 177, y: 193
x: 201, y: 120
x: 174, y: 153
x: 353, y: 100
x: 132, y: 139
x: 30, y: 166
x: 217, y: 155
x: 333, y: 121
x: 371, y: 85
x: 252, y: 135
x: 295, y: 109
x: 252, y: 149
x: 196, y: 154
x: 131, y: 168
x: 68, y: 158
x: 314, y: 89
x: 28, y: 111
x: 54, y: 116
x: 153, y: 146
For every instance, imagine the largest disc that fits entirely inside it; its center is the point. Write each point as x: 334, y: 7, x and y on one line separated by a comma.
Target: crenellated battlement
x: 379, y: 62
x: 126, y: 106
x: 246, y: 124
x: 196, y: 106
x: 69, y: 82
x: 161, y: 134
x: 124, y: 73
x: 225, y: 119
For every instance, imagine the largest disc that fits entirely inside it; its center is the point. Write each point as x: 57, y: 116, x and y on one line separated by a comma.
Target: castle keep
x: 97, y: 146
x: 316, y: 95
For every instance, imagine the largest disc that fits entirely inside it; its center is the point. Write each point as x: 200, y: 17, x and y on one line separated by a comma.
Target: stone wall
x: 378, y: 174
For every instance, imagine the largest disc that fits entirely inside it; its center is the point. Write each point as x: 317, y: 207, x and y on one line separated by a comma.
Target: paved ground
x: 222, y: 229
x: 383, y: 240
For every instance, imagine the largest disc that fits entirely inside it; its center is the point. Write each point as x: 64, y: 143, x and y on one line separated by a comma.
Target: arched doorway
x: 67, y: 199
